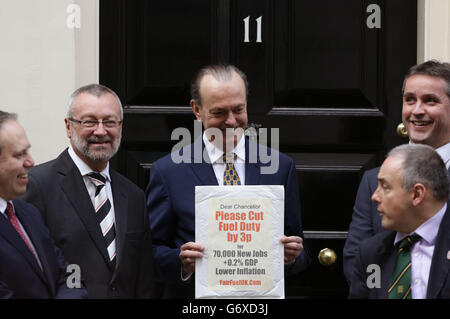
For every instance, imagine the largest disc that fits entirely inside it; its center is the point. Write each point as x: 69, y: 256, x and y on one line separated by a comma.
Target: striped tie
x: 104, y: 214
x: 400, y: 286
x: 230, y: 176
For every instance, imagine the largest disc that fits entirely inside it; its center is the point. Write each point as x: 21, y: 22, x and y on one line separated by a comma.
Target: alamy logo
x: 374, y: 19
x: 74, y: 19
x: 74, y: 279
x: 374, y: 279
x: 270, y: 161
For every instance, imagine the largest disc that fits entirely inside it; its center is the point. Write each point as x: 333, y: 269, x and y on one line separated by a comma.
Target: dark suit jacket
x: 57, y: 189
x: 366, y: 220
x: 20, y: 274
x: 171, y: 206
x: 380, y: 250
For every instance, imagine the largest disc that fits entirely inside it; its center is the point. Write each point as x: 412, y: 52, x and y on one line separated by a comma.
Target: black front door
x: 325, y: 76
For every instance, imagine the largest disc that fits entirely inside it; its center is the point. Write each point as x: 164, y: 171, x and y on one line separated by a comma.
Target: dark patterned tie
x: 230, y: 176
x: 104, y: 213
x: 400, y: 286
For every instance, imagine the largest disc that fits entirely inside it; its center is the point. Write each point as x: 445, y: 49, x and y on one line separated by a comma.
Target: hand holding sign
x: 189, y: 252
x: 293, y: 247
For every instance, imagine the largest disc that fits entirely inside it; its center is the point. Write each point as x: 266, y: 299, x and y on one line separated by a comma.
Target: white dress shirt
x: 422, y: 253
x: 444, y: 152
x: 85, y: 170
x: 215, y: 155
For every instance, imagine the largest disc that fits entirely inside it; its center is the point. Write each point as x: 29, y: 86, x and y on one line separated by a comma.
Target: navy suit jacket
x: 171, y: 207
x: 20, y: 274
x: 366, y: 221
x: 380, y: 250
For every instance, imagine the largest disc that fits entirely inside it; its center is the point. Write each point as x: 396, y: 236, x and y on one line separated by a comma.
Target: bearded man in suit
x: 96, y: 216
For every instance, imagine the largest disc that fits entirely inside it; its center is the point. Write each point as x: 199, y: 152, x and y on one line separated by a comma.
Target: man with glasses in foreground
x: 96, y: 216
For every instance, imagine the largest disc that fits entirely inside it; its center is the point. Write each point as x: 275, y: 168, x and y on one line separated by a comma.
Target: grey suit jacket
x: 57, y: 189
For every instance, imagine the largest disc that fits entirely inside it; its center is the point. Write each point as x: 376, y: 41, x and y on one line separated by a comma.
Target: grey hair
x: 431, y: 68
x: 94, y: 89
x: 422, y: 164
x: 4, y: 117
x: 221, y: 72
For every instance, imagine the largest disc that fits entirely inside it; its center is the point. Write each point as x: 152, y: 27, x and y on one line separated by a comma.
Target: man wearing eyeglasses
x: 95, y: 215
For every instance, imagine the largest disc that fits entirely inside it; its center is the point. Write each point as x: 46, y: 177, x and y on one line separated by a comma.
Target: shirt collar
x: 444, y: 152
x: 3, y: 204
x: 428, y: 230
x: 84, y: 168
x: 215, y: 153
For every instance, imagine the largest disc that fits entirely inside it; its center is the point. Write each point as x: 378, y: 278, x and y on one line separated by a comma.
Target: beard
x: 99, y: 155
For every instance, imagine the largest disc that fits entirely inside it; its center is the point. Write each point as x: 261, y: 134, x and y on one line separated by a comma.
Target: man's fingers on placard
x: 189, y: 252
x: 192, y: 254
x: 293, y: 246
x: 192, y: 246
x: 291, y: 239
x: 293, y: 251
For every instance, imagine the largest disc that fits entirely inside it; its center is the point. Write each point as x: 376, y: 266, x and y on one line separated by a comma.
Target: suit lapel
x: 73, y: 186
x: 440, y: 263
x: 252, y: 170
x: 36, y: 239
x: 388, y: 258
x: 13, y: 237
x: 120, y: 198
x: 203, y: 170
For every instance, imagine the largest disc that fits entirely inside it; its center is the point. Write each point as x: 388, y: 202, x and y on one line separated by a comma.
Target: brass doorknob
x: 327, y: 257
x: 402, y: 131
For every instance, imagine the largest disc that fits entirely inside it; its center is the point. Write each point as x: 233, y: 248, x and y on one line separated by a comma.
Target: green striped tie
x: 400, y: 286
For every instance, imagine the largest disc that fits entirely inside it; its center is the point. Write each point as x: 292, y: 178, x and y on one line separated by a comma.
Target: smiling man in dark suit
x: 31, y: 266
x: 426, y: 116
x: 219, y: 101
x: 412, y: 258
x: 96, y: 216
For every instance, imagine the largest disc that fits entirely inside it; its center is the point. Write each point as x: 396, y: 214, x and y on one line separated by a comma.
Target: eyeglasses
x: 95, y: 123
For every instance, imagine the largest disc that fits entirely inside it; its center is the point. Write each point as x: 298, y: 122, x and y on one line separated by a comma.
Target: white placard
x: 240, y: 227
